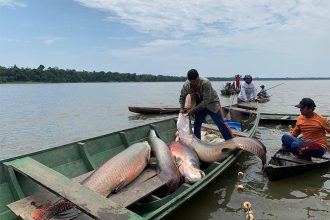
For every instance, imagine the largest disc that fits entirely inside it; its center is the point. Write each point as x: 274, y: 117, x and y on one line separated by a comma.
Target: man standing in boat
x: 204, y: 101
x: 313, y: 128
x: 238, y: 80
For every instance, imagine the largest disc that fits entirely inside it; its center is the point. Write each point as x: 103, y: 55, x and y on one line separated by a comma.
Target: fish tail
x: 42, y: 213
x: 48, y: 211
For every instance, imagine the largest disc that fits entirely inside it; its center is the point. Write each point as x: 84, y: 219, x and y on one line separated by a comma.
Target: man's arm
x: 243, y: 92
x: 183, y: 95
x: 296, y: 130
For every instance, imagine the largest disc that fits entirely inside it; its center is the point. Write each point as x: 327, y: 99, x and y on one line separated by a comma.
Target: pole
x: 274, y: 86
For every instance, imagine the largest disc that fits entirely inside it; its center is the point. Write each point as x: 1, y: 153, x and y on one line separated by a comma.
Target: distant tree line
x: 55, y: 75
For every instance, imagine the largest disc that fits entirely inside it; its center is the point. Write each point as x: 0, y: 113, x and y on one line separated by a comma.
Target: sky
x: 219, y: 38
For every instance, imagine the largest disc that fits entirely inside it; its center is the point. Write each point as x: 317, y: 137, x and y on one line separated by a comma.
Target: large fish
x: 187, y: 161
x: 209, y: 152
x: 113, y: 175
x: 168, y: 172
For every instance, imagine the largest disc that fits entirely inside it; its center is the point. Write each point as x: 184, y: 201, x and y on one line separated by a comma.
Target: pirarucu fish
x: 168, y: 172
x: 209, y: 152
x: 113, y: 175
x: 187, y: 161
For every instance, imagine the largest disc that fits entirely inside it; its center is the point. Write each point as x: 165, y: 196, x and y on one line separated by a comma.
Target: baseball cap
x: 306, y: 102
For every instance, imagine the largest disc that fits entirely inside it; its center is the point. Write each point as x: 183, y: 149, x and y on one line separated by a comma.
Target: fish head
x: 148, y: 150
x: 183, y: 126
x: 152, y: 133
x: 190, y: 173
x: 183, y: 123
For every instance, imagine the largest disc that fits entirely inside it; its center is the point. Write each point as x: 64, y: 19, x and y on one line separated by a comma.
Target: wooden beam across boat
x: 84, y: 198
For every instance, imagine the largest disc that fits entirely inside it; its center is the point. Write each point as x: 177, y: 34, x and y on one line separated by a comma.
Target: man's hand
x: 190, y: 112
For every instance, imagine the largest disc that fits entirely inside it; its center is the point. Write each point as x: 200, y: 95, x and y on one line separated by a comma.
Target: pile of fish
x: 180, y: 160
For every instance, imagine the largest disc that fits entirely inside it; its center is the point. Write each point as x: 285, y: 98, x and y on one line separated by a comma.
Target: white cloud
x: 166, y: 43
x: 150, y: 49
x: 231, y: 34
x: 177, y: 18
x: 12, y: 3
x: 48, y: 40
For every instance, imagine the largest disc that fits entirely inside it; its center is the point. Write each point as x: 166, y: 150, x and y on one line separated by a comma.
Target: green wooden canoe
x: 30, y: 180
x: 229, y: 92
x: 280, y: 118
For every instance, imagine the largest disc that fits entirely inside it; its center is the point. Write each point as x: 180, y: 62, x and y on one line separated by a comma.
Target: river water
x: 40, y: 116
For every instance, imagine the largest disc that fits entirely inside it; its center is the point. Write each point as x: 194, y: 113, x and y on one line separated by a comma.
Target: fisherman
x: 313, y: 128
x: 248, y: 91
x: 238, y: 78
x: 263, y: 92
x: 233, y: 86
x: 205, y: 101
x: 228, y: 86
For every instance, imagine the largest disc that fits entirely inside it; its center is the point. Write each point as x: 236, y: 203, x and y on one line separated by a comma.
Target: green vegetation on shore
x: 55, y: 75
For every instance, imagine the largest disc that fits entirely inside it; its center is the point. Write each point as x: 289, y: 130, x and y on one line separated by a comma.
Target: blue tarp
x: 234, y: 125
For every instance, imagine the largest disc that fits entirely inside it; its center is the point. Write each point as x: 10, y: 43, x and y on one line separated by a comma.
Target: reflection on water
x: 39, y: 116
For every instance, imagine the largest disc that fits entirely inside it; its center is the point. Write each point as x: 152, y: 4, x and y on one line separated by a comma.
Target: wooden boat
x: 153, y: 110
x: 284, y: 164
x: 229, y: 92
x: 30, y: 180
x: 280, y: 118
x: 263, y: 99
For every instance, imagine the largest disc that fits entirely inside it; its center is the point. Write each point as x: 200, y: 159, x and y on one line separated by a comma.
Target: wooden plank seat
x: 249, y: 111
x: 142, y: 186
x: 85, y: 199
x: 249, y: 105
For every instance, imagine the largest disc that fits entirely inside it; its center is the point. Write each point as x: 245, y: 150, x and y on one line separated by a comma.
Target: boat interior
x: 28, y: 181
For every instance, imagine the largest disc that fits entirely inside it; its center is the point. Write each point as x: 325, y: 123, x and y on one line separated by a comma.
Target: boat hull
x: 284, y: 164
x: 153, y: 110
x: 229, y: 92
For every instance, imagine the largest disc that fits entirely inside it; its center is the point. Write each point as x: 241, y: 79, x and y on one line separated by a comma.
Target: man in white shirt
x: 248, y: 91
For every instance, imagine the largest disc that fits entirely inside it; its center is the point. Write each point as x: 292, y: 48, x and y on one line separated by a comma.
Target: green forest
x: 42, y: 74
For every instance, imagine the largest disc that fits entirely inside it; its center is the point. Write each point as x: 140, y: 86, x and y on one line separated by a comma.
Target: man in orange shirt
x: 313, y: 128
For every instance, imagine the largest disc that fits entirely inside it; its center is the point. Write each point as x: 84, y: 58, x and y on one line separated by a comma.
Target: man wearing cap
x: 248, y: 91
x: 313, y: 128
x: 204, y: 101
